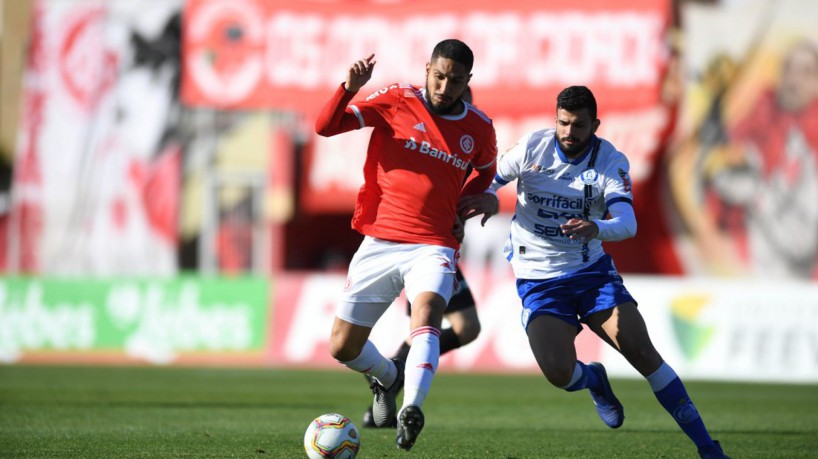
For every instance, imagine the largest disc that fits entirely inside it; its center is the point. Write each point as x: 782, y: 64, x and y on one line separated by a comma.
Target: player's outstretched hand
x: 580, y: 230
x: 485, y: 204
x: 359, y: 73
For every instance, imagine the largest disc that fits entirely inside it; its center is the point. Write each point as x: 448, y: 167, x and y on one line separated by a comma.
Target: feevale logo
x: 692, y: 335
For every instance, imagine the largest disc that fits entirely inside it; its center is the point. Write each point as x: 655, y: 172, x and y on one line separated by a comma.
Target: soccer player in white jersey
x: 568, y: 180
x: 423, y: 141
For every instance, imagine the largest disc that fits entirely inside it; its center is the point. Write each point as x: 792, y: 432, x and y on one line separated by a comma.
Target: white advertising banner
x: 708, y: 330
x: 705, y: 329
x: 729, y: 330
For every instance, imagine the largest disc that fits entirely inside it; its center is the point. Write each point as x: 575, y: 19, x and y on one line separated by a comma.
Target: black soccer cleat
x: 384, y: 408
x: 368, y: 420
x: 410, y: 423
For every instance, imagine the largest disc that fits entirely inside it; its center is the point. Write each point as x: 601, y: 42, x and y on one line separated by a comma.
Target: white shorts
x: 381, y: 269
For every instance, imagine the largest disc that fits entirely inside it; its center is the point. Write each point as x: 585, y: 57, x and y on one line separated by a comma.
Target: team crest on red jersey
x: 467, y: 144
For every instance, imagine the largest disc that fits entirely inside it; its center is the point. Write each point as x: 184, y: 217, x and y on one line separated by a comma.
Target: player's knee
x: 342, y: 349
x: 343, y: 352
x: 336, y: 350
x: 427, y: 314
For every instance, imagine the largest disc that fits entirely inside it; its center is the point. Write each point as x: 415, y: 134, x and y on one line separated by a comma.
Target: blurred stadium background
x: 165, y: 201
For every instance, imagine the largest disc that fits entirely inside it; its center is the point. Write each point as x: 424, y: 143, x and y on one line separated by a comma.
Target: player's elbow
x: 322, y: 129
x: 615, y: 229
x: 630, y: 230
x: 626, y: 230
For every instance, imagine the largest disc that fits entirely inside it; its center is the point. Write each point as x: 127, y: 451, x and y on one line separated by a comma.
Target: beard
x: 576, y: 148
x: 439, y: 109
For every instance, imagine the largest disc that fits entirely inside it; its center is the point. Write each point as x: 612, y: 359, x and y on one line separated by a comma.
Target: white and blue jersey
x: 551, y: 189
x: 557, y: 276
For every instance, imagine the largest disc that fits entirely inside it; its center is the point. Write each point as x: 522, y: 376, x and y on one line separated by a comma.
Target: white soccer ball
x: 332, y: 436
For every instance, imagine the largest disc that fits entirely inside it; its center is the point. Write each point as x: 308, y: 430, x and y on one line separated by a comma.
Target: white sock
x: 421, y: 365
x: 371, y: 362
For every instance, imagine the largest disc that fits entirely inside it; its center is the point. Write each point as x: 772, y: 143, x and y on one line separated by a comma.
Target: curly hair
x: 575, y: 98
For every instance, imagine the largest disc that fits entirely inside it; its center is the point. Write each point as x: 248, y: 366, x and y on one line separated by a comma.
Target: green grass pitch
x: 151, y: 412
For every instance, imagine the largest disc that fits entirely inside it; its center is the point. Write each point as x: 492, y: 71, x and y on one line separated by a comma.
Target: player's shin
x: 672, y: 395
x: 421, y: 364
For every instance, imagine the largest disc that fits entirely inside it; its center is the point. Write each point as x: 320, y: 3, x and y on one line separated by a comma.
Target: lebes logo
x: 226, y: 62
x: 692, y: 336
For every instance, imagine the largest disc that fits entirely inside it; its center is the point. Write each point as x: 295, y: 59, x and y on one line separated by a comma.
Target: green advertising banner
x: 151, y: 320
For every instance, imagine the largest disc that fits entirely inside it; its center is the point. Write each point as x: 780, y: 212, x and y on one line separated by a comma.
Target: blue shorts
x: 573, y: 297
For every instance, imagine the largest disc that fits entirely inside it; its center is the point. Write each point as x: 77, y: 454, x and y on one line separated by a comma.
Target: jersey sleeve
x: 621, y: 225
x: 484, y: 163
x: 488, y: 153
x: 336, y: 117
x: 618, y: 196
x: 378, y: 108
x: 510, y: 164
x: 617, y: 186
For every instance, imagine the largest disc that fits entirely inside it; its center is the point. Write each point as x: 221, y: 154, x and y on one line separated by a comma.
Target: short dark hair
x: 455, y: 50
x: 575, y: 98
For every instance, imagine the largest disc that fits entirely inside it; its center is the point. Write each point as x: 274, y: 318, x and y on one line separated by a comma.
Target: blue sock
x: 672, y: 395
x: 583, y: 378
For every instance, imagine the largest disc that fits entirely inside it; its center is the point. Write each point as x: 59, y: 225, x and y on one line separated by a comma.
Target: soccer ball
x: 332, y: 436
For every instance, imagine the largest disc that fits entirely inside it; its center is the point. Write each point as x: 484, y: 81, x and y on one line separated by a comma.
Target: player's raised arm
x: 334, y: 118
x: 359, y: 73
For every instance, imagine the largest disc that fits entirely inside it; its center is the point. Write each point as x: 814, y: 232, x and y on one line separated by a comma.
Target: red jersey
x: 415, y: 164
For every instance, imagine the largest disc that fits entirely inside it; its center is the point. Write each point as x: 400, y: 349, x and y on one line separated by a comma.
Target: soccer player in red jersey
x: 461, y: 313
x: 422, y: 143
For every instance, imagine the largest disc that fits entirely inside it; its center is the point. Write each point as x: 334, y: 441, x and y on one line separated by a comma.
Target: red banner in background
x: 276, y: 54
x: 281, y: 54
